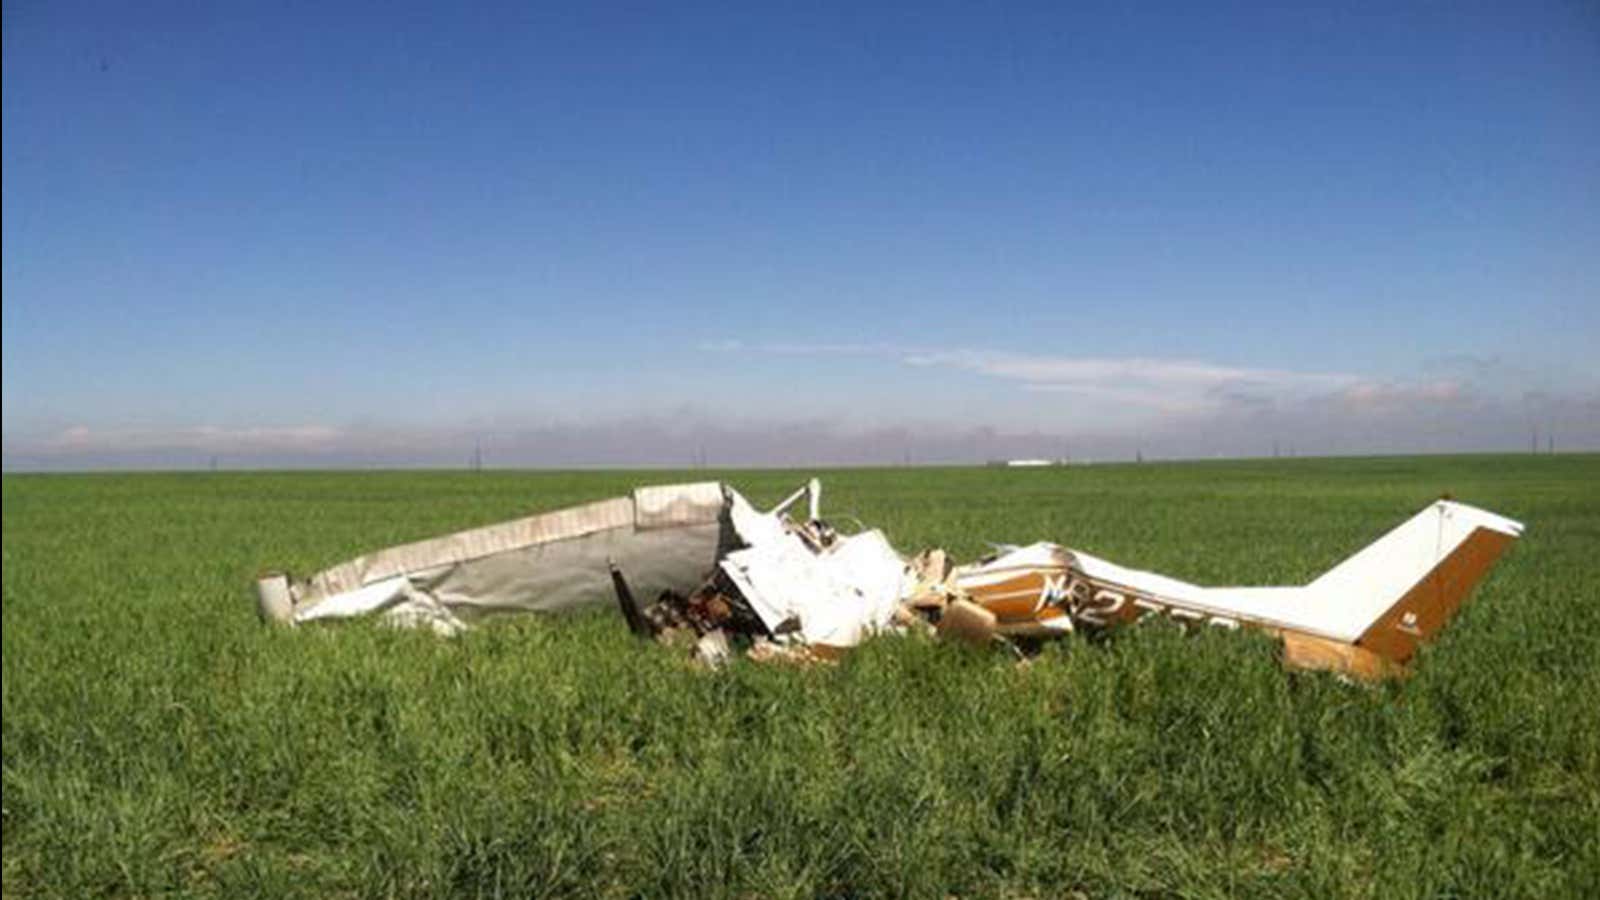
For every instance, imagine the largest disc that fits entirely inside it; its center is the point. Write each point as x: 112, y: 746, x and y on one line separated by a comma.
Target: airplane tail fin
x: 1402, y: 588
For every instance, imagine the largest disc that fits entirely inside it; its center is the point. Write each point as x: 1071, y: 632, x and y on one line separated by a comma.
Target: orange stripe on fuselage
x: 1012, y: 599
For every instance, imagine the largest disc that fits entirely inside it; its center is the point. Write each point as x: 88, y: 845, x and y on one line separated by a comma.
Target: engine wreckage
x: 697, y: 563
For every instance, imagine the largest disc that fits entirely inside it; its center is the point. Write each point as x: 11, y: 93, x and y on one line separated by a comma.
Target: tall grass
x: 158, y: 740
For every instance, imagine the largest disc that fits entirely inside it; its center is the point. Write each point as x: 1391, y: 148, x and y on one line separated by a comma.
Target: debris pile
x: 698, y: 566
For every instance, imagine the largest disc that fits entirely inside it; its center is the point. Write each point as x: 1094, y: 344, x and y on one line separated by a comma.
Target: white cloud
x: 1102, y: 369
x: 1156, y: 385
x: 205, y: 438
x: 1390, y: 395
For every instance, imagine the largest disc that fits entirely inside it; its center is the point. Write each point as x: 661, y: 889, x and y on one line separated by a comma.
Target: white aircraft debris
x: 722, y: 575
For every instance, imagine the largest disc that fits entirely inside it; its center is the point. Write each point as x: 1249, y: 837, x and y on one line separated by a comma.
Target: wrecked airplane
x: 717, y: 574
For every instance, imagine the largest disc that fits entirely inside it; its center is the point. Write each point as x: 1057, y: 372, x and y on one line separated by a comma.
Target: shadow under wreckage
x: 698, y: 565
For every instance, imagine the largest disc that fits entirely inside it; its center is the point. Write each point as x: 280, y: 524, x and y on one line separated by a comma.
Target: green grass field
x: 158, y: 740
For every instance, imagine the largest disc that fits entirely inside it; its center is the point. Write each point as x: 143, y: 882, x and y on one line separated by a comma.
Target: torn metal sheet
x: 838, y: 594
x: 697, y: 560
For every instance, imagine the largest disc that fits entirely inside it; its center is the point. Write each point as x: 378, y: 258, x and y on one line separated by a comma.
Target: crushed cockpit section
x: 697, y: 565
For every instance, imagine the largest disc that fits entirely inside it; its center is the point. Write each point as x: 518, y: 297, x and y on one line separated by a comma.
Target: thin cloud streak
x: 1122, y: 388
x: 217, y: 439
x: 1113, y: 370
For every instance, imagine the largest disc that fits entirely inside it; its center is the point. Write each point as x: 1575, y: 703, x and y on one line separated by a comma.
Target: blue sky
x: 336, y: 234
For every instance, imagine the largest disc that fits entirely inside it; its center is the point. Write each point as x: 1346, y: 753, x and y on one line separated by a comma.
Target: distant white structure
x: 1033, y: 463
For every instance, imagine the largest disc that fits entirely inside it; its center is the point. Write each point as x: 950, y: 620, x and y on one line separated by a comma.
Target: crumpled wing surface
x: 666, y: 538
